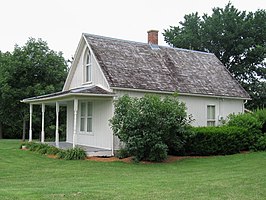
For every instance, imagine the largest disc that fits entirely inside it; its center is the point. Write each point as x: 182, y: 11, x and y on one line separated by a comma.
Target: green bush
x: 122, y: 153
x: 69, y: 154
x: 52, y: 150
x: 158, y: 152
x: 260, y: 115
x: 75, y: 154
x: 151, y: 126
x: 246, y: 120
x: 42, y: 148
x: 260, y: 144
x: 61, y: 154
x: 26, y: 144
x: 34, y: 146
x: 218, y: 140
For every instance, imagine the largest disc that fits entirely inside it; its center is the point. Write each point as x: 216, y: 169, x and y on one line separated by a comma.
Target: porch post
x: 30, y: 128
x: 57, y: 124
x: 42, y: 133
x: 112, y: 134
x: 75, y: 122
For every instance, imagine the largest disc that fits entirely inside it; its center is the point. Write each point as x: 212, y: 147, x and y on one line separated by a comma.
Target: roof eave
x: 64, y: 96
x: 180, y: 93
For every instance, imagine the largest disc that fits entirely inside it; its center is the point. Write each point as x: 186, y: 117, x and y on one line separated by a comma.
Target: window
x: 210, y: 115
x: 87, y: 66
x: 86, y: 117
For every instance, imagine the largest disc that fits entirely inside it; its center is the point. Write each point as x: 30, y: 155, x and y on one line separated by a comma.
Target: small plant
x: 34, y: 146
x: 52, y: 150
x: 61, y: 154
x: 42, y: 148
x: 24, y: 145
x: 75, y: 154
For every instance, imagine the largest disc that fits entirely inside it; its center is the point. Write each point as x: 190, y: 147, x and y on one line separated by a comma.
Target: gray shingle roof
x: 135, y: 65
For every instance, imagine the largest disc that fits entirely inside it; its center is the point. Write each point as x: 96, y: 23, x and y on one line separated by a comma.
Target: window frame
x: 84, y: 116
x: 211, y: 120
x: 87, y: 66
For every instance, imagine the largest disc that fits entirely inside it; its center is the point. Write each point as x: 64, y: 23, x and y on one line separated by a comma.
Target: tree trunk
x: 1, y: 130
x: 24, y: 129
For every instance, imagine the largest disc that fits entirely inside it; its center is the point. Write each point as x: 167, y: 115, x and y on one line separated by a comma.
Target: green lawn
x: 28, y: 175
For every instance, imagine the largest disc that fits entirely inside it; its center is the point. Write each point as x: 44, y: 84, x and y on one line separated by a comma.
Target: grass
x: 29, y: 175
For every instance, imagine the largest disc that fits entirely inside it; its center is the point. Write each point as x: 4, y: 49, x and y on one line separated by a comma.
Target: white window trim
x: 86, y: 66
x: 85, y: 132
x: 211, y: 119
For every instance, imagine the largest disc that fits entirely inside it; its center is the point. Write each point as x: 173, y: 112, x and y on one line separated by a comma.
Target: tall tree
x: 236, y: 37
x: 31, y: 70
x: 5, y: 60
x: 1, y: 77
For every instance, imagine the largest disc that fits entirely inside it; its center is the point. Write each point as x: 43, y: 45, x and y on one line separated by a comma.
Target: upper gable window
x: 87, y: 66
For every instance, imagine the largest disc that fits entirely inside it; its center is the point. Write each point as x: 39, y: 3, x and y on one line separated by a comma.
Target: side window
x: 85, y: 125
x: 87, y: 66
x: 210, y: 115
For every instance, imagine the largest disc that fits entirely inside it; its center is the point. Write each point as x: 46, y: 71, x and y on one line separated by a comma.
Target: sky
x: 61, y: 22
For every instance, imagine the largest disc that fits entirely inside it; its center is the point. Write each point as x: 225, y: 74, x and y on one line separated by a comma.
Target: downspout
x: 243, y: 108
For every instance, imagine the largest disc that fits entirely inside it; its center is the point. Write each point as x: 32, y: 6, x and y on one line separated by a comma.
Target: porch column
x: 75, y: 122
x: 112, y: 134
x: 42, y: 133
x: 57, y: 124
x: 30, y: 128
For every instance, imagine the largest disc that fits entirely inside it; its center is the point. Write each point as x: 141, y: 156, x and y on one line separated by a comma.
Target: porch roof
x: 93, y: 91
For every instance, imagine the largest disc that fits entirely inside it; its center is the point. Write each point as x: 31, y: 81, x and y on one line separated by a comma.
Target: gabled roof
x: 135, y: 65
x: 87, y: 91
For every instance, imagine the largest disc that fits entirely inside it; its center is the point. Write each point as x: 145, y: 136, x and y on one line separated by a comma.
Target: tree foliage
x: 237, y: 38
x: 150, y: 126
x: 31, y: 70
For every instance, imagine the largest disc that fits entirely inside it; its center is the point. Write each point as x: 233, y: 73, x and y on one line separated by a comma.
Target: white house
x: 105, y: 68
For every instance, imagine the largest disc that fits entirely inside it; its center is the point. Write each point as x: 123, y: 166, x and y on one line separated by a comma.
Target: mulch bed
x: 169, y: 159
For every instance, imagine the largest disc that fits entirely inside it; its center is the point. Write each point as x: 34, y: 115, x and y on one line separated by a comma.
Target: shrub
x: 122, y: 153
x: 150, y: 126
x: 34, y: 146
x: 219, y: 140
x: 260, y: 144
x: 75, y: 154
x: 43, y: 148
x: 260, y: 115
x: 26, y: 144
x: 52, y: 150
x: 158, y: 152
x: 246, y: 120
x: 61, y: 154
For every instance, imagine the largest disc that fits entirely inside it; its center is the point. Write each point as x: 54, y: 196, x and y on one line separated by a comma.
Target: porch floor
x: 90, y: 151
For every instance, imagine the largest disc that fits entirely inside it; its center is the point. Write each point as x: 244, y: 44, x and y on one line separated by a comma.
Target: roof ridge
x: 143, y: 43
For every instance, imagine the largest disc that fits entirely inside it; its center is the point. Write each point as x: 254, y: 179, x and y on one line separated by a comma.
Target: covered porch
x: 88, y: 112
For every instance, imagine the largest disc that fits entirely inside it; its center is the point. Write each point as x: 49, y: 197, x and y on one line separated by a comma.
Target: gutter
x: 30, y: 100
x: 180, y: 93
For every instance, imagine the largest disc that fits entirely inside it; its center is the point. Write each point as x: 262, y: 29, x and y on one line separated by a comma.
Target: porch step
x: 105, y: 153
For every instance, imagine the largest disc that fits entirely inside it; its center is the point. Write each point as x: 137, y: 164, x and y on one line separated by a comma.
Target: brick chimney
x: 153, y: 37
